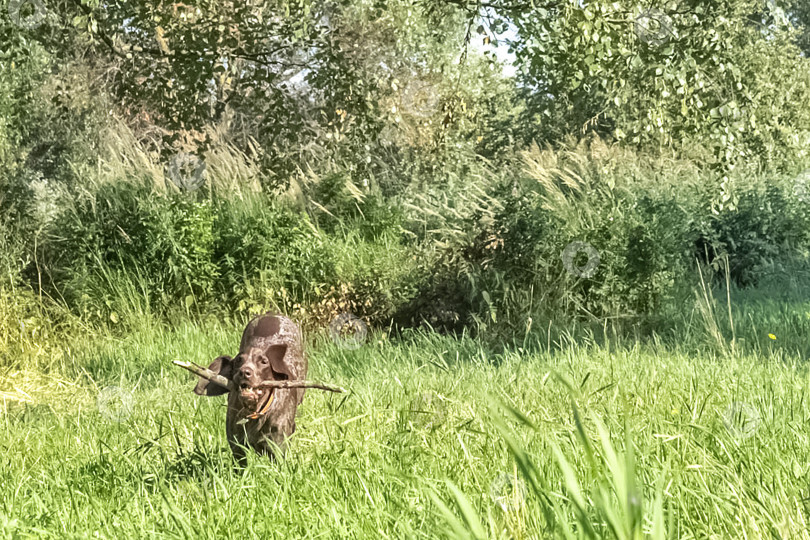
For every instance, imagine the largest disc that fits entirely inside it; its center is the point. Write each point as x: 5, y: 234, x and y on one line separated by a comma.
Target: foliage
x: 165, y: 241
x: 405, y: 145
x: 764, y: 233
x: 799, y: 14
x: 311, y: 82
x: 268, y: 256
x: 729, y: 75
x: 648, y: 221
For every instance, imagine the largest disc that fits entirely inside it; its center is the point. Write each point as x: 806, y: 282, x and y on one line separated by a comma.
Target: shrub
x: 647, y: 218
x: 764, y: 229
x: 268, y: 255
x: 339, y: 204
x: 164, y: 240
x: 16, y: 227
x: 374, y: 278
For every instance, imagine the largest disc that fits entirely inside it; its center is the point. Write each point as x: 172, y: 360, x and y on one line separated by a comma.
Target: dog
x: 261, y: 419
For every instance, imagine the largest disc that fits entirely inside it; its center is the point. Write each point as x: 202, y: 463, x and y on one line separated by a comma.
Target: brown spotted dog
x: 261, y: 419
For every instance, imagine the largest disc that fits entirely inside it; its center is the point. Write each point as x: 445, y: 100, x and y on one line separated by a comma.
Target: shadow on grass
x: 111, y: 473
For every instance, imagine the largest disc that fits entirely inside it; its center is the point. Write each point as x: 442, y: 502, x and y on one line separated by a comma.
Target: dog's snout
x: 246, y: 372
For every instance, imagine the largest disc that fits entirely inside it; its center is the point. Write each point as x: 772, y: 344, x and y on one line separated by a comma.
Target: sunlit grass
x: 620, y: 440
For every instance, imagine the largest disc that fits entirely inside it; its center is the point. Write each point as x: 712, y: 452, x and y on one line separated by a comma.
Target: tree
x: 726, y: 75
x: 312, y: 81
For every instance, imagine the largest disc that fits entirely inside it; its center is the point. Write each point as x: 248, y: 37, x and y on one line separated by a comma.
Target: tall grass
x: 620, y: 440
x: 480, y: 248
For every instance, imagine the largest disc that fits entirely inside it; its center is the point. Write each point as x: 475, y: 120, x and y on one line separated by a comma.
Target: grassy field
x: 595, y: 251
x: 439, y: 436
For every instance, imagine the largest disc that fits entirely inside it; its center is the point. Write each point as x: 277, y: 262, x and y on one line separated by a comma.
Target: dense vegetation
x: 619, y: 225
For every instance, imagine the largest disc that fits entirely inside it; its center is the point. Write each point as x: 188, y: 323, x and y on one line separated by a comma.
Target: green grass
x: 413, y: 451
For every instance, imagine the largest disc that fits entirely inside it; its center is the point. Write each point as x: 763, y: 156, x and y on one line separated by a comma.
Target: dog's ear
x: 222, y: 365
x: 276, y: 353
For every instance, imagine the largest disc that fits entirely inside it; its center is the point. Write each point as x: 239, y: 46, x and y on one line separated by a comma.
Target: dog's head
x: 270, y: 350
x: 250, y: 368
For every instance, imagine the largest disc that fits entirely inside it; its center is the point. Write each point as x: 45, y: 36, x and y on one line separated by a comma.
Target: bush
x: 513, y: 269
x: 648, y: 219
x: 374, y: 278
x: 765, y: 229
x: 479, y: 250
x: 268, y: 255
x: 339, y: 204
x: 16, y: 226
x: 164, y: 241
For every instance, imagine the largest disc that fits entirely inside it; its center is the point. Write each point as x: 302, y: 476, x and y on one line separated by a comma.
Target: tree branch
x: 216, y: 378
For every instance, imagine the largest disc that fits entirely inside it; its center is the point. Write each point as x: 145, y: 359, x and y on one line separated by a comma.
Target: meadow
x: 578, y: 234
x: 583, y: 437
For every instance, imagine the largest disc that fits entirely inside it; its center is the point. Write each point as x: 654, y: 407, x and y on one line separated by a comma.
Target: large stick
x: 301, y: 384
x: 206, y: 373
x: 216, y: 378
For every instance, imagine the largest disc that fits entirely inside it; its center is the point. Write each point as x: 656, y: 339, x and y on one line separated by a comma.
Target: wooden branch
x: 301, y: 384
x: 216, y: 378
x: 206, y: 373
